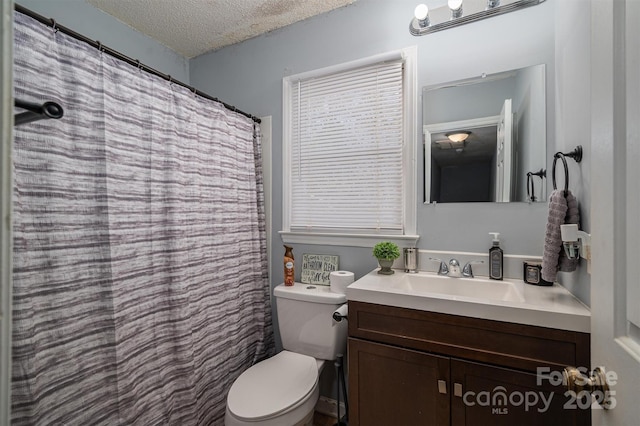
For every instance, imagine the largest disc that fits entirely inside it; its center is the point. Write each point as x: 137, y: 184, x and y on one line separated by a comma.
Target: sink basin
x: 475, y: 288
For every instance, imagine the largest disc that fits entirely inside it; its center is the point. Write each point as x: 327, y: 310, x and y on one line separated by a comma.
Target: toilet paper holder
x: 341, y: 313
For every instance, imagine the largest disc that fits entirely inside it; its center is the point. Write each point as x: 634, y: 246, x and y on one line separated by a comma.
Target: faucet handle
x: 442, y: 269
x: 467, y: 271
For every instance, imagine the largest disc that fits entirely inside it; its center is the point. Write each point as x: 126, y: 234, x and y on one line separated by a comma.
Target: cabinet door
x: 487, y: 395
x: 396, y: 386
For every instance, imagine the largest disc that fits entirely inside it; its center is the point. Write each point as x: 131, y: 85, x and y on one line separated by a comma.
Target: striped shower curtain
x: 140, y: 285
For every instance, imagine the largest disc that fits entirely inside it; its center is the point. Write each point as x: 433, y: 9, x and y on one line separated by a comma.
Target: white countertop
x: 551, y: 306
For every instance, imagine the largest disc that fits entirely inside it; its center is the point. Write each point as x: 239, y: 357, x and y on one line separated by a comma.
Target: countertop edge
x: 524, y: 314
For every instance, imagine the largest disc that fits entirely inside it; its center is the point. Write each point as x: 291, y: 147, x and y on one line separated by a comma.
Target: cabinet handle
x: 457, y: 389
x: 442, y: 386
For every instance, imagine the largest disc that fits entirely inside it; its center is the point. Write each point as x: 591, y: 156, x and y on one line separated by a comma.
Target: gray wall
x: 249, y: 75
x: 573, y: 106
x: 98, y: 25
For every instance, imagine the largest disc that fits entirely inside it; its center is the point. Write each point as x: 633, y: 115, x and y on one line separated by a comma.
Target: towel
x: 562, y: 209
x: 552, y: 238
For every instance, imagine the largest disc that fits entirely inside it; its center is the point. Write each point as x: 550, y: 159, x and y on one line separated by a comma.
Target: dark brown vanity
x: 415, y: 367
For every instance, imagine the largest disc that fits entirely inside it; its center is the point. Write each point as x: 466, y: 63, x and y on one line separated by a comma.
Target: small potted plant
x: 386, y: 252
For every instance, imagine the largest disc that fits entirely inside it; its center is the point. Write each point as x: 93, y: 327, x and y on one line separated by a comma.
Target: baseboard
x: 329, y: 407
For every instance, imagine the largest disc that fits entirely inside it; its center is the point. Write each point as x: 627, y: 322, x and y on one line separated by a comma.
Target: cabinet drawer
x: 506, y: 344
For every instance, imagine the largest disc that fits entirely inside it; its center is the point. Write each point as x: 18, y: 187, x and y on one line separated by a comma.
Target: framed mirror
x: 485, y: 138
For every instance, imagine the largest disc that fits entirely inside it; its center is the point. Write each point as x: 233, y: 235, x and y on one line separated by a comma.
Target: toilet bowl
x: 282, y: 390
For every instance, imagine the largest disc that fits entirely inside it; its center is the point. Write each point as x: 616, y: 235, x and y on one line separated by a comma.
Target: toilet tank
x: 305, y: 320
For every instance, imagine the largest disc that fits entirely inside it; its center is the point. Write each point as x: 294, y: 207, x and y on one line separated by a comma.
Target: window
x: 349, y: 147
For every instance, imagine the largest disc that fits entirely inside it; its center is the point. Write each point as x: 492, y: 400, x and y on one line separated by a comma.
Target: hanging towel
x: 573, y: 216
x: 553, y: 240
x: 562, y: 210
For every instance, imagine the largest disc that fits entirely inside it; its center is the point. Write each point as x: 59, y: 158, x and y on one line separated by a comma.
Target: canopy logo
x: 500, y: 400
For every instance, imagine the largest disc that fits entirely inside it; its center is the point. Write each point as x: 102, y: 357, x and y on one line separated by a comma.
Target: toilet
x: 283, y: 390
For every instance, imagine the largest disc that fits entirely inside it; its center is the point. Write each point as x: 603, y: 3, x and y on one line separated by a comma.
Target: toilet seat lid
x: 272, y: 386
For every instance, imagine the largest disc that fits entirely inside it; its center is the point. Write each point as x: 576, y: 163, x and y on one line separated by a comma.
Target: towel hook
x: 531, y: 191
x: 576, y: 154
x: 566, y: 172
x: 530, y: 188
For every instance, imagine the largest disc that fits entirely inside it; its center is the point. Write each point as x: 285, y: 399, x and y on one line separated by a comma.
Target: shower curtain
x: 140, y: 277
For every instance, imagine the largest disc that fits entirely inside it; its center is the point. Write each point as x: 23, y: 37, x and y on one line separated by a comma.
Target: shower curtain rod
x: 98, y: 45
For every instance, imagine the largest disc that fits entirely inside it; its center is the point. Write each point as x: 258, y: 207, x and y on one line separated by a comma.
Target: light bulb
x: 455, y: 4
x: 456, y: 8
x: 422, y: 15
x: 421, y: 12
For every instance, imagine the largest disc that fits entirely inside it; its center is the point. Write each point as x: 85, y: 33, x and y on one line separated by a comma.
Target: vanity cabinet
x: 411, y: 367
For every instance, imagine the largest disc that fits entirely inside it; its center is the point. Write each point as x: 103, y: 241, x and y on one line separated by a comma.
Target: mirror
x: 485, y: 138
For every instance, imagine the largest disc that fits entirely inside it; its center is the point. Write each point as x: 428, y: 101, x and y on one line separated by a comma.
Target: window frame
x: 409, y: 157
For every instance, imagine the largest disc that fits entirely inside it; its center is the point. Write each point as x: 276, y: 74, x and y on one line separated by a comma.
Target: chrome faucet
x: 453, y: 270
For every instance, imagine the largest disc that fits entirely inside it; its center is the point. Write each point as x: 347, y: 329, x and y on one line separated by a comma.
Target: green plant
x: 386, y: 250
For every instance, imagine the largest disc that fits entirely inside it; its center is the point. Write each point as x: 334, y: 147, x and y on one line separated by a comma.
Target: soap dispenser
x: 495, y: 258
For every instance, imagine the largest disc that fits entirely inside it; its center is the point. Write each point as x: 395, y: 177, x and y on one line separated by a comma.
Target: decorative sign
x: 316, y: 268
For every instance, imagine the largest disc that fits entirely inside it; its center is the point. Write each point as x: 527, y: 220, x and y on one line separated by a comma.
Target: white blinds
x: 346, y: 152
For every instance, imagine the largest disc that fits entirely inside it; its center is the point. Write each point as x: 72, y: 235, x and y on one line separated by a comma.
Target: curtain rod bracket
x: 35, y: 112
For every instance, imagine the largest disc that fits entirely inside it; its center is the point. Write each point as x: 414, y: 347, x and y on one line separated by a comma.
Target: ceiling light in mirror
x: 458, y: 136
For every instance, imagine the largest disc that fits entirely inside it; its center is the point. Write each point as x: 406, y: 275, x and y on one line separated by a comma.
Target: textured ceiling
x: 193, y: 27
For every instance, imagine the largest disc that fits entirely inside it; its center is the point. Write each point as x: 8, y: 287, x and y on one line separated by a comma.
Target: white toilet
x: 283, y: 390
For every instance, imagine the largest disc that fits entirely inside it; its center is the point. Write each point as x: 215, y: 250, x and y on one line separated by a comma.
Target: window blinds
x: 346, y: 153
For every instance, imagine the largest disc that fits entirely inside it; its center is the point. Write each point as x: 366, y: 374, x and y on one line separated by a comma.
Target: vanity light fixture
x: 428, y: 21
x: 458, y: 136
